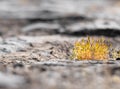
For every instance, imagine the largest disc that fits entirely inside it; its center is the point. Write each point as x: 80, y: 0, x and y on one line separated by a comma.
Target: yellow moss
x: 91, y: 49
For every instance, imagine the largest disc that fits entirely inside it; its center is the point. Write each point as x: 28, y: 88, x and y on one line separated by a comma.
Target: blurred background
x: 68, y: 17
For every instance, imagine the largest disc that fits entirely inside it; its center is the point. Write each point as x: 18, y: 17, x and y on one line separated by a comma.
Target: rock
x: 12, y: 45
x: 41, y: 26
x: 49, y: 9
x: 37, y: 38
x: 11, y: 81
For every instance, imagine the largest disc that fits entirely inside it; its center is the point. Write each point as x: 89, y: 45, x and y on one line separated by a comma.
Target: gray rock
x: 11, y: 81
x: 12, y: 45
x: 47, y: 9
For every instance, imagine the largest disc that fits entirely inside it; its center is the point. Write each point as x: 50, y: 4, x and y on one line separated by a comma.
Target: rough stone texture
x: 37, y: 38
x: 46, y: 64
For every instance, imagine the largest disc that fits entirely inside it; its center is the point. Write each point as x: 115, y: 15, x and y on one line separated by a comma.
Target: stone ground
x: 36, y: 43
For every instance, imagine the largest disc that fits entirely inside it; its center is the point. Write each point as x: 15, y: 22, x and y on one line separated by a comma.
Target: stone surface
x: 37, y: 38
x: 11, y: 81
x: 46, y: 63
x: 56, y: 9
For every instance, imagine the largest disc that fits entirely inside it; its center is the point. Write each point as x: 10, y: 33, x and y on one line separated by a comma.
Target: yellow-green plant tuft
x: 91, y: 49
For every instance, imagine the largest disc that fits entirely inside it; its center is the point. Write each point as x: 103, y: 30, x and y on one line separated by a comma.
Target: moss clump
x: 91, y: 49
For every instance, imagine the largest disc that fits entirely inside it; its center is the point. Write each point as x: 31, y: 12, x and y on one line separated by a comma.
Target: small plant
x: 91, y: 49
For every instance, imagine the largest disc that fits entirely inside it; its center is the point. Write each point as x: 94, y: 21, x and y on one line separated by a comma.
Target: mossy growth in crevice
x: 94, y: 49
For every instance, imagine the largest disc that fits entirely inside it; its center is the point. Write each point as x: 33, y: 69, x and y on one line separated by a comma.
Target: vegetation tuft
x: 91, y: 49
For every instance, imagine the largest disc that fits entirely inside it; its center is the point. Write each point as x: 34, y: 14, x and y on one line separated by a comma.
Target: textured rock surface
x: 45, y: 63
x: 37, y: 38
